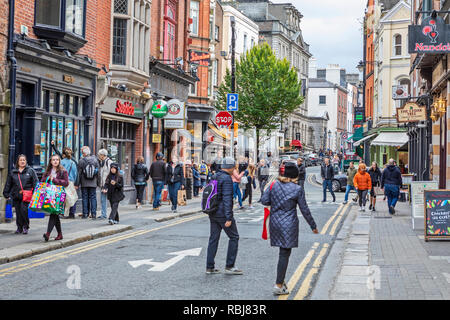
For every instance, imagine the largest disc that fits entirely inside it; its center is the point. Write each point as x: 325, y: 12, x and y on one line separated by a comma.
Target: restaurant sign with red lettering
x: 198, y: 57
x: 125, y: 107
x: 432, y: 36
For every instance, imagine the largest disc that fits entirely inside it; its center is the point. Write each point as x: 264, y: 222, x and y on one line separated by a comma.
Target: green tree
x: 268, y: 88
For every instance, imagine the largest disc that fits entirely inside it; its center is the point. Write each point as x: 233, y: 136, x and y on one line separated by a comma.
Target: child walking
x: 114, y: 192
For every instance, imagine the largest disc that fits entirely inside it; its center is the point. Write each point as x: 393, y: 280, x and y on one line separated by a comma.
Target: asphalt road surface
x: 167, y: 260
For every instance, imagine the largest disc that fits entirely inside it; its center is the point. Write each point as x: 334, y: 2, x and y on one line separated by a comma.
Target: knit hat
x: 114, y: 165
x: 227, y: 163
x: 290, y: 170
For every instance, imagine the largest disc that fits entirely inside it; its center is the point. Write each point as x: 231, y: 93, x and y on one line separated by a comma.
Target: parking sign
x: 232, y: 102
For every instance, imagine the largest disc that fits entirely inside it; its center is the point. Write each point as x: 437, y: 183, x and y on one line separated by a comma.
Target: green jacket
x: 350, y: 175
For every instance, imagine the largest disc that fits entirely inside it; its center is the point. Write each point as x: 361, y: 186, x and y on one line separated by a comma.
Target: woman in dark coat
x: 59, y: 176
x: 283, y: 196
x: 13, y: 189
x: 375, y: 176
x: 175, y: 180
x: 140, y: 175
x: 197, y: 179
x: 114, y: 192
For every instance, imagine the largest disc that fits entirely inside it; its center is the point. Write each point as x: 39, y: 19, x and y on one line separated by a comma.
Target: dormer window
x: 61, y: 22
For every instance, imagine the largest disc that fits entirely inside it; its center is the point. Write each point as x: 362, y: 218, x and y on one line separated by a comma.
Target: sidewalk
x: 379, y: 256
x: 15, y: 247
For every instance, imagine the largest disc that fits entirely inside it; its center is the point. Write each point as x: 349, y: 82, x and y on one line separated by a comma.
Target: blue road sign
x: 232, y: 102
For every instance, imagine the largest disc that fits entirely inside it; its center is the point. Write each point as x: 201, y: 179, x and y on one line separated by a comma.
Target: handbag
x: 26, y: 194
x: 181, y: 197
x: 244, y: 181
x: 49, y: 198
x: 266, y: 233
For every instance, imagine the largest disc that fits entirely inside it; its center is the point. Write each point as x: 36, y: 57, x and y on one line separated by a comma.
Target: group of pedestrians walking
x: 366, y: 181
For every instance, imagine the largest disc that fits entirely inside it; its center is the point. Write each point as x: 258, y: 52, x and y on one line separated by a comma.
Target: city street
x: 174, y: 254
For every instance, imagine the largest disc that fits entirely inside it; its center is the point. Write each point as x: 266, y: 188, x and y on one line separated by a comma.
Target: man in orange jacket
x: 363, y: 184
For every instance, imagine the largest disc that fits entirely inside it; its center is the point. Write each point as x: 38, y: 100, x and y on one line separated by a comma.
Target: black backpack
x: 210, y: 197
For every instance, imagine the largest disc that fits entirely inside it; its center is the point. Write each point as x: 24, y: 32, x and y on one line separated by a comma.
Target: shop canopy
x: 357, y: 143
x: 296, y: 143
x: 391, y: 139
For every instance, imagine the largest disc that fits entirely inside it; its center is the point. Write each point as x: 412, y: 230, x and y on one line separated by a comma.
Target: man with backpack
x: 217, y: 202
x: 88, y: 168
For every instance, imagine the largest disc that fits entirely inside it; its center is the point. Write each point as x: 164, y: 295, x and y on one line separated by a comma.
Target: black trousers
x: 248, y: 193
x: 22, y: 220
x: 140, y: 192
x: 114, y: 215
x: 52, y: 222
x: 283, y: 261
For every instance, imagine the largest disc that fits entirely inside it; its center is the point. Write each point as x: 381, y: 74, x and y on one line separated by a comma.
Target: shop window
x: 52, y: 102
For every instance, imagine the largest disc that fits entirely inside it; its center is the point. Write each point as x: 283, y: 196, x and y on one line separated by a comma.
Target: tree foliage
x: 268, y: 88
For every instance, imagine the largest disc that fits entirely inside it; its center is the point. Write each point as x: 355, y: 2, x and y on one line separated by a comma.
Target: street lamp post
x: 329, y: 139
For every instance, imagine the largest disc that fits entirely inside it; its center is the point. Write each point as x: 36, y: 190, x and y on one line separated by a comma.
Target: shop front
x: 167, y: 85
x: 54, y: 102
x: 198, y: 118
x: 390, y: 145
x: 121, y: 131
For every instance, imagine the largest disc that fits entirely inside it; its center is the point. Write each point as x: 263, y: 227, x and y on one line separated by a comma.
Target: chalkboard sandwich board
x: 437, y: 214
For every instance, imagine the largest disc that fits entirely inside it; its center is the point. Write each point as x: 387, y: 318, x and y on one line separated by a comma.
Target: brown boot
x: 59, y: 237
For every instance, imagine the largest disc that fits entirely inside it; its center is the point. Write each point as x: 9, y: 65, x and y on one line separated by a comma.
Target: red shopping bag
x: 265, y: 233
x: 165, y: 195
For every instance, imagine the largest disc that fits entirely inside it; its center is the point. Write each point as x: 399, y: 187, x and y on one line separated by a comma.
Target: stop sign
x: 224, y: 118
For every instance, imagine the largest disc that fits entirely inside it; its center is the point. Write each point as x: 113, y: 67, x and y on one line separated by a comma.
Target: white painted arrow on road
x: 162, y: 266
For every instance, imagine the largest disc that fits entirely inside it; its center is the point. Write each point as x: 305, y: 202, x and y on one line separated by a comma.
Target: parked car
x: 339, y: 182
x: 314, y: 158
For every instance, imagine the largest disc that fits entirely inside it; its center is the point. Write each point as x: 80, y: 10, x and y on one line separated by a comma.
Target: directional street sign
x: 162, y: 266
x: 232, y: 102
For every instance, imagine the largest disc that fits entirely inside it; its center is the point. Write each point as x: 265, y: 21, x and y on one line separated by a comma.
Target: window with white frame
x: 252, y: 42
x: 193, y: 89
x: 397, y: 45
x: 131, y: 34
x: 195, y: 7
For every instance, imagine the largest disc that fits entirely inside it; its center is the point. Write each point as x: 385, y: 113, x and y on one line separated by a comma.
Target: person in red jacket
x: 363, y: 184
x: 58, y: 176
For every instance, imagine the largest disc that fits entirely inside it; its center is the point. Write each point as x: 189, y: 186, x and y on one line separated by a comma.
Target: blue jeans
x: 104, y: 202
x: 216, y: 226
x: 89, y: 197
x: 327, y: 184
x: 392, y: 192
x: 237, y: 192
x: 157, y: 189
x: 347, y: 191
x: 173, y: 194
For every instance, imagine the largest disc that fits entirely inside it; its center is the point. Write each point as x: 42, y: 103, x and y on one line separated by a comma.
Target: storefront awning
x: 357, y: 143
x: 296, y: 143
x: 218, y: 132
x: 392, y: 139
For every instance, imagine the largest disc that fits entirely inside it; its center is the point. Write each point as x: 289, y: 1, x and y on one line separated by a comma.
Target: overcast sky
x: 333, y: 30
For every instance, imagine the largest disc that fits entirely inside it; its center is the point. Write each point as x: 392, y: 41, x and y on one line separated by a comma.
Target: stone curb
x: 23, y: 251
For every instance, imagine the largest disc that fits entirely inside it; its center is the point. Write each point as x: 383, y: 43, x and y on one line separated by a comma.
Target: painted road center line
x: 301, y: 267
x: 327, y: 225
x: 306, y: 284
x: 336, y: 223
x: 64, y: 254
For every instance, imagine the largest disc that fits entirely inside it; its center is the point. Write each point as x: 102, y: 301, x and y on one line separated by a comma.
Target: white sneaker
x: 364, y: 209
x: 251, y: 207
x: 233, y: 270
x: 280, y: 291
x: 360, y: 208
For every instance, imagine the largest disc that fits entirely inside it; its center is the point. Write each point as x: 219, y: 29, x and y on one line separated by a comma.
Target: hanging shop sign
x: 437, y: 214
x: 432, y: 36
x: 159, y: 109
x: 411, y: 112
x: 173, y: 124
x: 175, y: 110
x: 202, y: 58
x: 400, y: 91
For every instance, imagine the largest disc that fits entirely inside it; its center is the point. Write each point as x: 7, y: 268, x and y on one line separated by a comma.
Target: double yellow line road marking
x: 65, y: 254
x: 306, y: 284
